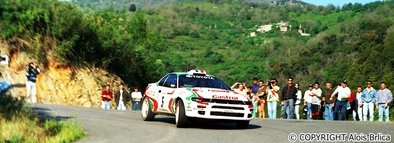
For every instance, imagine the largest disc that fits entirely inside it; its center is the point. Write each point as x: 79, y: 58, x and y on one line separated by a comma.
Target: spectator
x: 369, y: 98
x: 249, y: 92
x: 287, y: 99
x: 328, y: 104
x: 359, y: 103
x: 308, y: 101
x: 298, y: 101
x: 383, y: 99
x: 241, y: 89
x: 335, y: 97
x: 261, y: 96
x: 316, y: 102
x: 255, y: 101
x: 272, y: 98
x: 31, y: 73
x: 136, y: 99
x: 121, y: 98
x: 321, y: 111
x: 342, y: 99
x: 255, y: 87
x: 352, y: 108
x: 106, y: 97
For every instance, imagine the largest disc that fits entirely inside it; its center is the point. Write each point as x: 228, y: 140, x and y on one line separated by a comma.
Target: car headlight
x: 195, y: 99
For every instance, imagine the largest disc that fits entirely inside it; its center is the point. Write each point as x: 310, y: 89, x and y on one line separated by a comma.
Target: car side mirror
x: 172, y: 85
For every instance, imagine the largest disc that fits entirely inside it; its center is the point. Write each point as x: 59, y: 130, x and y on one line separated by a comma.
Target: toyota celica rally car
x: 195, y: 95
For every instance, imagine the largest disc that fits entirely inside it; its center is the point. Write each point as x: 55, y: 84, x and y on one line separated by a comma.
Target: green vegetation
x: 116, y: 40
x: 354, y: 42
x: 19, y: 124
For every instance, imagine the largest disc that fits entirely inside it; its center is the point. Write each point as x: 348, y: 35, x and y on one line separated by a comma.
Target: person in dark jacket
x: 287, y: 100
x: 328, y: 104
x: 31, y: 74
x: 122, y: 97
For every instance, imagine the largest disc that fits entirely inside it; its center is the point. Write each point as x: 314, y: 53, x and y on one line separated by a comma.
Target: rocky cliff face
x: 59, y: 84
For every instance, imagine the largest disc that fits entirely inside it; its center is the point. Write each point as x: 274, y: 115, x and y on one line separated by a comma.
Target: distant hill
x: 124, y: 4
x: 215, y: 35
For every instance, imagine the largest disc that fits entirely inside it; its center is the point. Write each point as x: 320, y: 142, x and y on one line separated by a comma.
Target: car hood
x: 213, y: 93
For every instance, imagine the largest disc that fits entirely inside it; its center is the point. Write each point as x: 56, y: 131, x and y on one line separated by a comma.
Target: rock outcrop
x: 60, y: 84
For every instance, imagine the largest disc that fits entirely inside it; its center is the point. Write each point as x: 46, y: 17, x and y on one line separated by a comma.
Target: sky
x: 337, y: 2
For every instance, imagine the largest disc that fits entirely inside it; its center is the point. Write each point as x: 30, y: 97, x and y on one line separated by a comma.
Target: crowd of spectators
x: 332, y: 103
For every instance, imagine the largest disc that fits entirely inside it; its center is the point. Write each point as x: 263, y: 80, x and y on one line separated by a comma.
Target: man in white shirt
x: 359, y: 101
x: 316, y: 101
x: 308, y: 101
x: 136, y: 99
x: 298, y: 102
x: 342, y: 99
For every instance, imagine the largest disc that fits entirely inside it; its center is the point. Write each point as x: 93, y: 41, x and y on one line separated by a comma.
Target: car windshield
x: 201, y: 81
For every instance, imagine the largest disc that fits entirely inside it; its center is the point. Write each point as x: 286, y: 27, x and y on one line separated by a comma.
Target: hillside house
x: 283, y: 26
x: 264, y: 28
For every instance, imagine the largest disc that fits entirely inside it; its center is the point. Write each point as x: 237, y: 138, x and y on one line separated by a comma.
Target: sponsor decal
x: 226, y: 97
x: 199, y: 76
x: 155, y: 104
x: 229, y: 111
x: 196, y: 93
x: 171, y: 92
x: 220, y: 91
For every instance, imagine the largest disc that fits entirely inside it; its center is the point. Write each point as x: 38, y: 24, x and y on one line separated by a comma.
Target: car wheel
x: 242, y: 124
x: 146, y: 111
x: 181, y: 120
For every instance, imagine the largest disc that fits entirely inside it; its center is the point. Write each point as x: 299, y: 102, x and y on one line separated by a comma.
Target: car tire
x: 146, y: 110
x: 181, y: 120
x: 242, y: 124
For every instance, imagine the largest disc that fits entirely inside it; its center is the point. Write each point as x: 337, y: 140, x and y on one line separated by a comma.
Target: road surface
x: 111, y: 126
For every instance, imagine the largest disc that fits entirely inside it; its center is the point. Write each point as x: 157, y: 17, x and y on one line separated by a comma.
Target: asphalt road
x: 111, y: 126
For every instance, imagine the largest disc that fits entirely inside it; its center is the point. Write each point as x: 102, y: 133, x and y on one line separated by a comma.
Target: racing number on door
x: 162, y: 101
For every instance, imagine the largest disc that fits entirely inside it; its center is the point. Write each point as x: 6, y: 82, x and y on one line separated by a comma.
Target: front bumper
x: 219, y: 111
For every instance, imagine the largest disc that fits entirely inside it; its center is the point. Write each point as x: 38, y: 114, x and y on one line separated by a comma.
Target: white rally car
x: 193, y: 94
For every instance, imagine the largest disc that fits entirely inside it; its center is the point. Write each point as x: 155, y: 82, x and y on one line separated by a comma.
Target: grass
x: 19, y: 124
x: 63, y: 131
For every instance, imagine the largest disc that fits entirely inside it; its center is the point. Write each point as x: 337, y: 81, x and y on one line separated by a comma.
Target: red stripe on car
x: 155, y: 104
x: 170, y: 105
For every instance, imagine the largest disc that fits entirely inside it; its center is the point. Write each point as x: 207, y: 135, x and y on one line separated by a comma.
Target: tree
x: 347, y: 6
